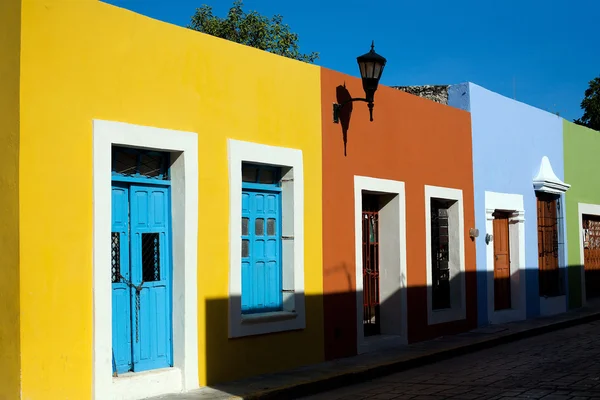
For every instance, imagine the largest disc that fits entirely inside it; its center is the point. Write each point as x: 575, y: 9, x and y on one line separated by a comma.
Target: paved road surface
x: 560, y: 365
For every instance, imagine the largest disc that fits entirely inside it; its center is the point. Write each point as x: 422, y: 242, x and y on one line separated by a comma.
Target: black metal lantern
x: 371, y: 67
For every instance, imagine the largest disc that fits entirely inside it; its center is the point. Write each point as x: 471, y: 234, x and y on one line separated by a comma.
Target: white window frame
x: 292, y: 317
x: 393, y: 330
x: 514, y: 205
x: 457, y: 310
x: 183, y: 376
x: 584, y: 209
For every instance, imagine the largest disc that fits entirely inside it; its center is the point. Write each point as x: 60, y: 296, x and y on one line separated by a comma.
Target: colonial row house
x: 175, y: 218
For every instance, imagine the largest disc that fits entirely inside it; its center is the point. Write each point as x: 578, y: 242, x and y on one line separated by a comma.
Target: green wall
x: 582, y: 172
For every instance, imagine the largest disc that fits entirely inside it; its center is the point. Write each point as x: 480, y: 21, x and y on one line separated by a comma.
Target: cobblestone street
x: 560, y: 365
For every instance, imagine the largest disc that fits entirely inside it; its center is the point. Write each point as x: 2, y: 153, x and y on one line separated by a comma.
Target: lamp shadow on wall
x: 342, y: 95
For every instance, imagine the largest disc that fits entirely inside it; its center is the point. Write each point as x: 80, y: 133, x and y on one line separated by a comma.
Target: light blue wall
x: 509, y: 140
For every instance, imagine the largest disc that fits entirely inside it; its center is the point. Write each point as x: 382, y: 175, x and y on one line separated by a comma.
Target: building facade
x: 583, y: 213
x: 175, y: 218
x: 398, y: 262
x: 169, y: 207
x: 518, y: 175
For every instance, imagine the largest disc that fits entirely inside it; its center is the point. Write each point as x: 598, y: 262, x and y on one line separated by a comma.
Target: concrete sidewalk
x: 330, y: 375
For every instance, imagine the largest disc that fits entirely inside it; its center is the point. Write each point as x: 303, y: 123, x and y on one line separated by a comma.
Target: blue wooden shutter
x: 261, y: 251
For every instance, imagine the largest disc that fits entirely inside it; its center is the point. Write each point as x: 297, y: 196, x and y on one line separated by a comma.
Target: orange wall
x: 412, y: 140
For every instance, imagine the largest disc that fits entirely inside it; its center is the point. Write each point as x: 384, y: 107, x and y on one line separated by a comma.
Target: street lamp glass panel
x: 367, y: 69
x: 378, y: 71
x: 363, y: 69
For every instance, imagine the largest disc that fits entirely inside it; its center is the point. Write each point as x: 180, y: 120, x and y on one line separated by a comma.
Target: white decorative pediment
x: 546, y: 180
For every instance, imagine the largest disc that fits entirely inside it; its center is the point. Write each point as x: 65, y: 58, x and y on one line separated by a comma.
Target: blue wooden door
x: 261, y: 251
x: 150, y: 266
x: 145, y: 321
x: 121, y: 290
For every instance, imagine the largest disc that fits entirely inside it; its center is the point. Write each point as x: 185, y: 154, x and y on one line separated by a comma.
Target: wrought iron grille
x: 150, y: 257
x: 370, y: 242
x: 265, y: 174
x: 591, y: 254
x: 116, y: 257
x: 440, y: 255
x: 549, y: 244
x: 140, y: 163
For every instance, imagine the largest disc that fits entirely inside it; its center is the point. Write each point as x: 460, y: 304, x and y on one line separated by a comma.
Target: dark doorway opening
x: 591, y: 255
x: 370, y: 254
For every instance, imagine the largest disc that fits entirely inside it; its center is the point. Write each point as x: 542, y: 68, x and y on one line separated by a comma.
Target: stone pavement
x: 562, y: 364
x: 343, y: 372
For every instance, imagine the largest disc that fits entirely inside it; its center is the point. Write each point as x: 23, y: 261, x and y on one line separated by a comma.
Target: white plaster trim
x: 239, y: 152
x: 512, y: 203
x: 184, y: 191
x: 547, y: 181
x: 587, y: 209
x: 146, y: 384
x: 375, y: 185
x: 457, y: 311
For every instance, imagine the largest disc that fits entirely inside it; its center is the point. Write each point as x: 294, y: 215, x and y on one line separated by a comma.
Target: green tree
x: 591, y: 106
x: 251, y: 29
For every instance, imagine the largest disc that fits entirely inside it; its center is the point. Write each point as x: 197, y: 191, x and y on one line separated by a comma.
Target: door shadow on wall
x: 330, y: 333
x: 592, y: 283
x: 262, y: 362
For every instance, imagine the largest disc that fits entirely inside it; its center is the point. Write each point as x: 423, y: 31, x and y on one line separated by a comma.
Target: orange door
x: 501, y: 262
x: 591, y: 255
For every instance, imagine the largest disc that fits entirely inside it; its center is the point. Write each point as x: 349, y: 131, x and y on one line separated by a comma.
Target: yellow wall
x: 10, y: 44
x: 84, y: 60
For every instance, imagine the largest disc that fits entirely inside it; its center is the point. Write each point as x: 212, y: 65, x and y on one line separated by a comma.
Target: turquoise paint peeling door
x: 142, y: 328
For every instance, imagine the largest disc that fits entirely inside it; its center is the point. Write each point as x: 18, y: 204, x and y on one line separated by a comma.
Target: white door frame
x: 184, y: 202
x: 513, y: 204
x: 393, y: 223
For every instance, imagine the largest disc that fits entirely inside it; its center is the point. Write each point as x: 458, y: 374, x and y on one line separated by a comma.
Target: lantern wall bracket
x: 338, y: 107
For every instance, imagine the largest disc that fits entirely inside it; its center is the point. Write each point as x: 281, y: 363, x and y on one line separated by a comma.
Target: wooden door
x: 501, y: 262
x: 141, y: 278
x: 120, y: 272
x: 591, y: 255
x: 547, y: 218
x: 151, y: 273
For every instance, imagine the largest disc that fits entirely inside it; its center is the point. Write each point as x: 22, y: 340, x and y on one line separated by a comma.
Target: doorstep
x: 331, y: 375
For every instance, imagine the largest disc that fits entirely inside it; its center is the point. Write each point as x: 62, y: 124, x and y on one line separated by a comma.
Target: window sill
x: 441, y: 316
x: 553, y: 305
x: 268, y: 317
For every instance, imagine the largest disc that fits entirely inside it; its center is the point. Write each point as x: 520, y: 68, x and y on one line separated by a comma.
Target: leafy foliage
x: 251, y: 29
x: 591, y: 106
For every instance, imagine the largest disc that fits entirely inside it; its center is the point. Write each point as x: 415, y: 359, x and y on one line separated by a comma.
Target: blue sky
x: 542, y: 53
